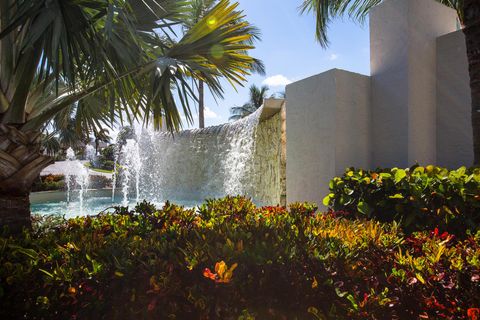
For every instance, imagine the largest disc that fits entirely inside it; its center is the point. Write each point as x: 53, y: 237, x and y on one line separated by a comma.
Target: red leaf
x: 473, y: 313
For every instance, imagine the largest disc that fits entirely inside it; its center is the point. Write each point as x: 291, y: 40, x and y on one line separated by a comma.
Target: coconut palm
x: 116, y: 55
x: 468, y: 13
x: 257, y: 96
x: 196, y: 10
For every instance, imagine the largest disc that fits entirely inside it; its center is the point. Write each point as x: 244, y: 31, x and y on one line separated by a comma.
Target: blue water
x: 91, y: 206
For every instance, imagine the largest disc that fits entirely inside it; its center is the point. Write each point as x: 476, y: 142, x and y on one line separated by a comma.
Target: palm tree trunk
x: 472, y: 36
x: 201, y: 105
x: 20, y: 164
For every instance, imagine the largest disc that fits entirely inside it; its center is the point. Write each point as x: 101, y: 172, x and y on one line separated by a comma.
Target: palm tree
x: 468, y: 13
x: 102, y: 135
x: 196, y: 10
x: 118, y: 56
x: 257, y: 96
x: 50, y: 144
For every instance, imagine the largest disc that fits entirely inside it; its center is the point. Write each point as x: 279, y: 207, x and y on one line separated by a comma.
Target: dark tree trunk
x: 20, y: 164
x: 472, y: 36
x: 201, y: 105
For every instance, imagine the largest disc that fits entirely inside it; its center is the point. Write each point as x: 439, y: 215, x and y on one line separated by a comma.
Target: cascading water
x: 77, y: 172
x: 191, y: 165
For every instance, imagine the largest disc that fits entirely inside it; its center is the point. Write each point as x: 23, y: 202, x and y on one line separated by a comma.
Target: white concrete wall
x: 403, y: 68
x: 414, y: 107
x: 328, y: 129
x: 454, y: 121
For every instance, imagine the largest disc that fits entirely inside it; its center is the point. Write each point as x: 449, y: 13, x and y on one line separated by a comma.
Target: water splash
x: 76, y: 175
x: 191, y: 165
x: 69, y: 160
x: 116, y: 152
x: 91, y: 154
x: 132, y: 166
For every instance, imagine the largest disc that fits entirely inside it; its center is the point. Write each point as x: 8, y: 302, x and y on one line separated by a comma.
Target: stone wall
x: 268, y: 163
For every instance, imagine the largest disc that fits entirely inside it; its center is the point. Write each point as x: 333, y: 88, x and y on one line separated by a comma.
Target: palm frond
x: 257, y: 97
x: 117, y: 58
x: 327, y: 10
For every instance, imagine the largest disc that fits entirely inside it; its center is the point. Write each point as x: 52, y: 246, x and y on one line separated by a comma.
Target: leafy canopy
x: 122, y: 59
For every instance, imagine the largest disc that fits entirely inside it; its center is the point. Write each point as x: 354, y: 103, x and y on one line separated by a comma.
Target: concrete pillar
x: 328, y: 130
x: 403, y: 68
x: 454, y: 120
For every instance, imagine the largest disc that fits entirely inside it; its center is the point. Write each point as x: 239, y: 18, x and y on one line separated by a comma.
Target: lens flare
x: 212, y: 22
x: 217, y: 51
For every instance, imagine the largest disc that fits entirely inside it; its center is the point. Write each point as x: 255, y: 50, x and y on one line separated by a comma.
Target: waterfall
x: 191, y: 165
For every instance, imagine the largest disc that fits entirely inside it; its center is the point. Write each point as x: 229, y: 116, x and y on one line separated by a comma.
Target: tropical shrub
x: 420, y: 197
x: 228, y: 259
x: 49, y: 182
x: 99, y: 182
x: 106, y: 159
x: 54, y: 182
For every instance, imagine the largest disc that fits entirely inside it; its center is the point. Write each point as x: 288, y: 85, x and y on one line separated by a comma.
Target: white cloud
x: 333, y: 57
x: 277, y: 81
x: 210, y: 114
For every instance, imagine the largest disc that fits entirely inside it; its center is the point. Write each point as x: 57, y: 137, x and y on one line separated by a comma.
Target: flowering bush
x: 231, y: 260
x: 49, y: 182
x: 420, y: 197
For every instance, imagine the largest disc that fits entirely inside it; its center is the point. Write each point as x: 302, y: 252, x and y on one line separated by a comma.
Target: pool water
x: 92, y: 205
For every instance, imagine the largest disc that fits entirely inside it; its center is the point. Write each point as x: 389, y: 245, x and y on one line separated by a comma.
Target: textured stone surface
x: 268, y: 161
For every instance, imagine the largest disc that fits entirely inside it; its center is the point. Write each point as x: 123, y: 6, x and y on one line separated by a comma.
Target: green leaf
x: 327, y: 199
x: 397, y: 196
x: 364, y: 208
x: 400, y: 174
x: 47, y: 273
x: 353, y: 302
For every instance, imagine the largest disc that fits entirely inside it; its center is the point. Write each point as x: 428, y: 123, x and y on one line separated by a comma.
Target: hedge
x: 228, y: 259
x: 418, y: 197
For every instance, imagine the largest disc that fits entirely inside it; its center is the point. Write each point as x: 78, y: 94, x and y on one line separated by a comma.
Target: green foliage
x: 420, y: 197
x: 49, y: 182
x: 106, y: 159
x: 116, y: 61
x: 53, y: 182
x: 231, y: 260
x: 257, y: 96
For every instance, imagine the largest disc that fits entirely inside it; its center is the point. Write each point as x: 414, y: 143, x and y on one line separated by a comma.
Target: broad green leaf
x: 364, y: 208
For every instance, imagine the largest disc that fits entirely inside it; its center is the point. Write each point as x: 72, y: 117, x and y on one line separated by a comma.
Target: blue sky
x: 290, y: 52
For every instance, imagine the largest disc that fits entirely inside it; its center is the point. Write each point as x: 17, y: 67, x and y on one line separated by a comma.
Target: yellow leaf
x: 233, y: 267
x: 220, y: 268
x: 314, y: 283
x: 420, y: 278
x: 118, y: 274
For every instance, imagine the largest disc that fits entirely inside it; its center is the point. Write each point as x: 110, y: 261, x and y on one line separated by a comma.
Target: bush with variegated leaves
x: 228, y: 259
